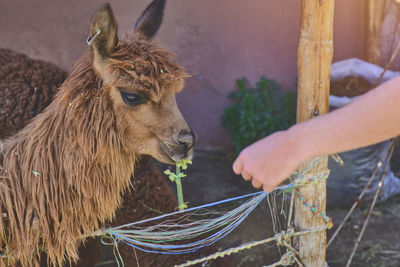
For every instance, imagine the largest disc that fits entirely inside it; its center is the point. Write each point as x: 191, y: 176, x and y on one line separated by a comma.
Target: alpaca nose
x: 187, y: 138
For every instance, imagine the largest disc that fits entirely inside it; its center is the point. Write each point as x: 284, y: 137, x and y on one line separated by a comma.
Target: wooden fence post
x: 374, y: 19
x: 314, y: 64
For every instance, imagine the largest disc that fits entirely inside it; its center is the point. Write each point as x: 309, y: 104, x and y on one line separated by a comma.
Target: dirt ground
x: 210, y: 179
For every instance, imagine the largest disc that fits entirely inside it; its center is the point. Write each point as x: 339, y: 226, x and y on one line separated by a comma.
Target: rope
x: 282, y: 239
x: 113, y: 242
x: 315, y: 211
x: 162, y: 237
x: 220, y: 254
x: 156, y: 238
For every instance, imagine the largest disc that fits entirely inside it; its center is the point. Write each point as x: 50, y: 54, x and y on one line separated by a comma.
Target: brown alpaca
x: 27, y: 87
x: 63, y: 175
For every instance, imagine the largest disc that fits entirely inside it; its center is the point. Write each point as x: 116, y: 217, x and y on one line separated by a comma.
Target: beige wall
x: 216, y: 40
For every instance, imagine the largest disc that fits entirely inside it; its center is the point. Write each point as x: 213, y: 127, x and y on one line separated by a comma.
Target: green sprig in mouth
x: 176, y: 177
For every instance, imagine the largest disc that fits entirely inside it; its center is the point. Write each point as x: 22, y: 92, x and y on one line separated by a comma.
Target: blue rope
x: 207, y: 241
x: 235, y: 218
x: 224, y: 232
x: 283, y: 187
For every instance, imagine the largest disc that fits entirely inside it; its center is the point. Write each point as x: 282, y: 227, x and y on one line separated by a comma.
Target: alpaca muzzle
x: 187, y: 139
x: 180, y: 148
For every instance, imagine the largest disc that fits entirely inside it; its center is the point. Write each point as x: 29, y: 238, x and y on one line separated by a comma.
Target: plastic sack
x: 357, y: 67
x: 346, y: 182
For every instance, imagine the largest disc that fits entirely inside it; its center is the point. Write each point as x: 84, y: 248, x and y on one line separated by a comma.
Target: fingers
x: 237, y: 166
x: 268, y: 189
x: 240, y: 170
x: 256, y: 184
x: 246, y: 176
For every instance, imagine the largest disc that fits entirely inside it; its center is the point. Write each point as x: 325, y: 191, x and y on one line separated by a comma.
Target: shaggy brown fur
x: 27, y: 86
x: 62, y: 176
x: 52, y: 170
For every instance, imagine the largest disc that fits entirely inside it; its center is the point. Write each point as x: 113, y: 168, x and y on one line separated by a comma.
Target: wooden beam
x: 374, y: 18
x: 314, y: 64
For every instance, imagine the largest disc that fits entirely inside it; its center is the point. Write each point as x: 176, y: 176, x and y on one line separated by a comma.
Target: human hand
x: 269, y: 161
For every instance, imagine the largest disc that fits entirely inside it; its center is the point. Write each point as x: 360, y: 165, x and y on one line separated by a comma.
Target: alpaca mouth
x: 175, y: 153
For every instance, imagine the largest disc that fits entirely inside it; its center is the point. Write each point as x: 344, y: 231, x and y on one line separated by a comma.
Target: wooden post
x: 314, y: 64
x: 374, y: 18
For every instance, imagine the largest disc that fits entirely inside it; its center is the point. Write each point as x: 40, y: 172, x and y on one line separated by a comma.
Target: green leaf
x: 167, y: 172
x: 258, y: 111
x: 183, y: 164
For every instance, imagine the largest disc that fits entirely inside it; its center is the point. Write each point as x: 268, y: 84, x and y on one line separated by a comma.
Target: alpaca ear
x: 151, y: 19
x: 103, y: 32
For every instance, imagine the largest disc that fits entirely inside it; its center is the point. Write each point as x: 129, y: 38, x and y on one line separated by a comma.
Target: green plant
x: 176, y: 177
x: 258, y: 111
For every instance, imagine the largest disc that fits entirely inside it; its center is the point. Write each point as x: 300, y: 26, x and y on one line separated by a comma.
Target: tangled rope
x: 283, y: 238
x: 173, y: 232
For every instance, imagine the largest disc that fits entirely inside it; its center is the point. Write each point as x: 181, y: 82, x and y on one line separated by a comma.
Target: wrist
x: 298, y: 140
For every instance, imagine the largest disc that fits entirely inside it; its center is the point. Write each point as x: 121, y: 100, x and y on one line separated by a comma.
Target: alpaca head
x: 141, y: 81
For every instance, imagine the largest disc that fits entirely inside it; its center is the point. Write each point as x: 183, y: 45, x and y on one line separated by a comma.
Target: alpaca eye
x: 131, y: 99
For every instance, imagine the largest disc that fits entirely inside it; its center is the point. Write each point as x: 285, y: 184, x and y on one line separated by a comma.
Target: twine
x: 311, y: 179
x: 284, y: 238
x: 159, y: 238
x: 315, y: 211
x: 278, y: 238
x: 109, y: 240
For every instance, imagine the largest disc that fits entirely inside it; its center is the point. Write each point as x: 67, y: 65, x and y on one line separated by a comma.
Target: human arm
x: 370, y: 119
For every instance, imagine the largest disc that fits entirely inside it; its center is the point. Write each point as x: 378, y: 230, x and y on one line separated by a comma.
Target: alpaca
x: 63, y: 175
x: 27, y: 87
